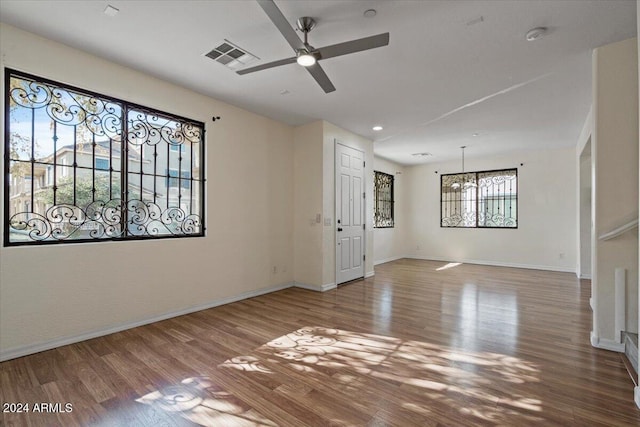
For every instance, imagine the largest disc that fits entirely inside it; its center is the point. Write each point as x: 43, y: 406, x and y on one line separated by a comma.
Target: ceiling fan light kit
x: 305, y: 58
x: 307, y: 55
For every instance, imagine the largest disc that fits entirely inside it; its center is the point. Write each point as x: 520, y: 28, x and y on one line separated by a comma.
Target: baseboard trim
x: 382, y: 261
x: 495, y: 263
x: 317, y: 288
x: 369, y: 274
x: 606, y: 344
x: 26, y: 350
x: 636, y: 395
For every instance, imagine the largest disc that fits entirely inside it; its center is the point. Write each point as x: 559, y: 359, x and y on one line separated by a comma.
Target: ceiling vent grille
x: 231, y: 56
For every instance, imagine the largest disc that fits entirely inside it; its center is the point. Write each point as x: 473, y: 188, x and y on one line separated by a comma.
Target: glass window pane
x: 383, y: 200
x: 66, y: 155
x: 479, y: 199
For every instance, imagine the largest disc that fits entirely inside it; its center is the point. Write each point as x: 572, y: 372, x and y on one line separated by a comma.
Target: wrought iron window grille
x: 484, y: 199
x: 383, y: 199
x: 85, y: 167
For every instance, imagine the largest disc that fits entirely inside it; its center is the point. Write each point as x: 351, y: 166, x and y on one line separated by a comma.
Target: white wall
x: 546, y: 233
x: 614, y: 148
x: 331, y: 134
x: 584, y: 212
x: 389, y: 243
x: 63, y: 291
x: 637, y: 389
x: 584, y: 207
x: 307, y: 186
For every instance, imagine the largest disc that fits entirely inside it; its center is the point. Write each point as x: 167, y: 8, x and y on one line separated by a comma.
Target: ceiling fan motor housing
x: 306, y: 24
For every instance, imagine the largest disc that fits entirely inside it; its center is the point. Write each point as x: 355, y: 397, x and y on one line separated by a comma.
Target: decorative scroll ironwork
x: 486, y: 199
x: 100, y: 116
x: 147, y: 127
x: 85, y: 167
x: 383, y: 200
x: 497, y: 198
x: 102, y: 220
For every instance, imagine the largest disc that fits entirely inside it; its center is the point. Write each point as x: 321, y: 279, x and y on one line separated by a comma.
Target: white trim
x: 584, y: 276
x: 594, y: 339
x: 620, y: 230
x: 606, y: 344
x: 382, y: 261
x: 636, y: 395
x: 620, y: 303
x: 591, y: 303
x: 369, y: 274
x: 15, y: 352
x: 496, y: 263
x: 317, y: 288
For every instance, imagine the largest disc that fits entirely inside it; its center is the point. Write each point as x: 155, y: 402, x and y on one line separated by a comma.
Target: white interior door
x: 350, y: 216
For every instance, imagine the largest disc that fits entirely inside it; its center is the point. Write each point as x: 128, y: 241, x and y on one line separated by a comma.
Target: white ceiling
x: 440, y: 80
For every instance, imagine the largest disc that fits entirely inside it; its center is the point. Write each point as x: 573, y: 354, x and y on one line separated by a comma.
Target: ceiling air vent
x: 231, y: 56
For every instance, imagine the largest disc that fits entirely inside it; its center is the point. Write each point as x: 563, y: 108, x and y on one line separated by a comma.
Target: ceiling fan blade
x: 267, y: 65
x: 281, y: 23
x: 321, y: 77
x: 353, y: 46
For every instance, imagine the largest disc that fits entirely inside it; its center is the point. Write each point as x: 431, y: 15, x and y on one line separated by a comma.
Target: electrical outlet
x: 561, y: 255
x: 417, y: 247
x: 318, y: 218
x: 275, y: 270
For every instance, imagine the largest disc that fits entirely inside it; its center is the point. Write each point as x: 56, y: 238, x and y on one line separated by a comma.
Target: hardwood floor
x: 414, y: 345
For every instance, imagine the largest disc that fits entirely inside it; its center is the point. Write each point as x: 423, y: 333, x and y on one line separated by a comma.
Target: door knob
x: 339, y: 228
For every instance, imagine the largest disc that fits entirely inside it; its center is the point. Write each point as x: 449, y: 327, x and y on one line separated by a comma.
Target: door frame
x: 337, y: 142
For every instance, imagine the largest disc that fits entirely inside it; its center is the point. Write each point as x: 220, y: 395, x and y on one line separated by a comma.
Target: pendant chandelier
x: 465, y: 183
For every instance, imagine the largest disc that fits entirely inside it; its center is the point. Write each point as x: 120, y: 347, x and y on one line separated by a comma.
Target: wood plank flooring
x: 413, y: 345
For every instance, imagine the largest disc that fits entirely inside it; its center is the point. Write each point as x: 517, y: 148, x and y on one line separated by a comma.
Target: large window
x: 383, y: 200
x: 86, y: 167
x: 487, y: 199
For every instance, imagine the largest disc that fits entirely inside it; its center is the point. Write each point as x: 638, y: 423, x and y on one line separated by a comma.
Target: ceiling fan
x: 307, y: 55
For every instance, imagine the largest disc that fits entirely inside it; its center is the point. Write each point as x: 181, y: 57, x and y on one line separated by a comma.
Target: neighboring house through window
x: 176, y: 178
x: 102, y: 164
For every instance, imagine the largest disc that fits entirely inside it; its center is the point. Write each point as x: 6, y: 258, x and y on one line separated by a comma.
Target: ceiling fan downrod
x: 306, y: 24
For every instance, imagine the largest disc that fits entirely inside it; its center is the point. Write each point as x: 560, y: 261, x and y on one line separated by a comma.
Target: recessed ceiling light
x: 285, y: 92
x: 370, y: 13
x: 377, y: 128
x: 110, y: 10
x: 536, y: 33
x: 475, y: 134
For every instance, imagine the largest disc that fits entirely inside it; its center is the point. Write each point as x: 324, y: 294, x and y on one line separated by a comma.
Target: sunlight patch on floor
x: 441, y: 372
x: 199, y: 401
x: 448, y: 266
x: 428, y: 378
x: 246, y: 363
